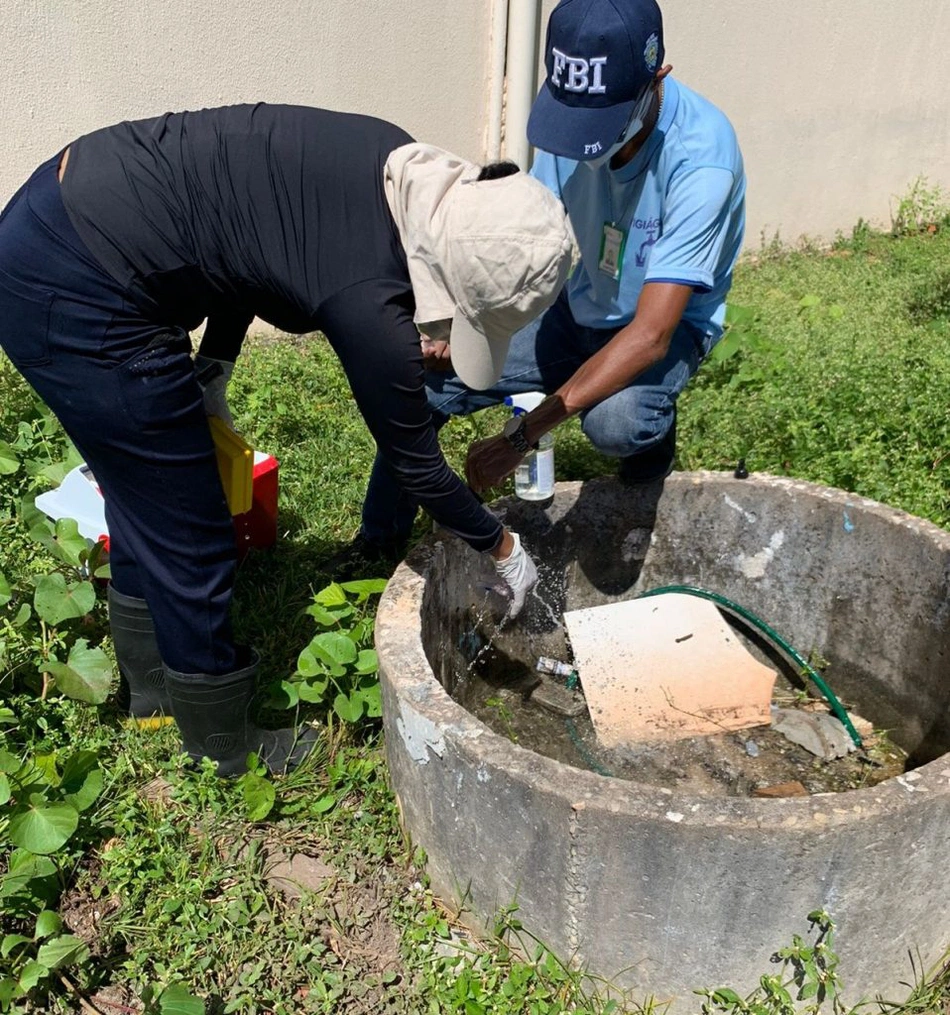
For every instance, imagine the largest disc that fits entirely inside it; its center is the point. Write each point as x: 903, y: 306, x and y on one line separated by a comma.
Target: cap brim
x: 478, y: 360
x: 575, y: 132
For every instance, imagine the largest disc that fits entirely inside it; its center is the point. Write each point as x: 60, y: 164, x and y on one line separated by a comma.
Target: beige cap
x: 488, y: 255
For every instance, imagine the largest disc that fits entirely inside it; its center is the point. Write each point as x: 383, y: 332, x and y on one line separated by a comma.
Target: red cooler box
x: 258, y: 527
x: 79, y: 497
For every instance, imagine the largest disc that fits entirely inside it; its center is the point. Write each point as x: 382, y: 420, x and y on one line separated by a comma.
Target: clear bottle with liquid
x: 534, y: 477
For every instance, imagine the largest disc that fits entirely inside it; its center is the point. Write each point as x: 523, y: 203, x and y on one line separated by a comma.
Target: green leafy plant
x: 45, y: 614
x: 516, y: 974
x: 808, y: 974
x: 257, y: 790
x: 175, y: 999
x: 736, y: 359
x: 41, y: 805
x: 45, y: 606
x: 504, y: 715
x: 39, y: 455
x: 338, y: 668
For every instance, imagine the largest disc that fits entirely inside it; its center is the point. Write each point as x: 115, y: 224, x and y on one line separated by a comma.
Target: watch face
x: 513, y: 431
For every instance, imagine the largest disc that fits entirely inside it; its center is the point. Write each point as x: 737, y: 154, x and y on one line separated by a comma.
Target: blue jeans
x: 542, y: 357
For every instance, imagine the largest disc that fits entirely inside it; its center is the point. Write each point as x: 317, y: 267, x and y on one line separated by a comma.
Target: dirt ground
x: 348, y: 909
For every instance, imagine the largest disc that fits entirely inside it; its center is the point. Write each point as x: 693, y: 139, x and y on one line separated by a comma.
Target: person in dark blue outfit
x: 313, y: 221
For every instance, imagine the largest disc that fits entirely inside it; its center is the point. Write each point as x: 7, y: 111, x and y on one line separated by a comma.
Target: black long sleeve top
x: 277, y: 212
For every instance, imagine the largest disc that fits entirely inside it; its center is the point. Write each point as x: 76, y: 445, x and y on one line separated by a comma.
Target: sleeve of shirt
x: 224, y: 333
x: 371, y: 330
x: 545, y: 169
x: 695, y: 225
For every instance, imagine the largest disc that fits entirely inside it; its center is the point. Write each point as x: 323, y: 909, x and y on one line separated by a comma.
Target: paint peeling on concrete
x: 907, y: 783
x: 848, y: 524
x: 756, y: 565
x: 482, y: 774
x: 420, y: 735
x: 674, y: 816
x: 747, y: 515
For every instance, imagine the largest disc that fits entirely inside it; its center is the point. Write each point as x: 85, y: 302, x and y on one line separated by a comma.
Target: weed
x: 337, y: 666
x: 504, y: 714
x: 808, y: 973
x: 846, y: 388
x: 922, y: 209
x: 42, y: 803
x: 860, y: 240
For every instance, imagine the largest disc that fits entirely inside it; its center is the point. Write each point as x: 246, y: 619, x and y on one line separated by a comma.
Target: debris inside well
x: 799, y: 749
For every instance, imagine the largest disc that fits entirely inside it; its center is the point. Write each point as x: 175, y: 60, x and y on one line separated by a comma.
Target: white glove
x: 519, y: 574
x: 213, y: 376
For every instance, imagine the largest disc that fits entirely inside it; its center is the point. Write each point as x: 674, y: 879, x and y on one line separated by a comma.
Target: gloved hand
x: 213, y: 376
x: 519, y: 574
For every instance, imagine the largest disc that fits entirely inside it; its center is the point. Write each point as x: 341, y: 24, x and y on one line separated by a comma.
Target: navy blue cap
x: 600, y: 55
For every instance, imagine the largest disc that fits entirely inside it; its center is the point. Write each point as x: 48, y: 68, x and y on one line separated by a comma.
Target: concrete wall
x: 838, y: 106
x: 69, y: 66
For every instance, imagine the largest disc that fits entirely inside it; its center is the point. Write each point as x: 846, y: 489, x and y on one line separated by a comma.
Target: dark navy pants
x: 123, y: 387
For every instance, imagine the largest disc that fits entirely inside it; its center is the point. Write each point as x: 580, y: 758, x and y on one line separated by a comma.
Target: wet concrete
x: 662, y: 890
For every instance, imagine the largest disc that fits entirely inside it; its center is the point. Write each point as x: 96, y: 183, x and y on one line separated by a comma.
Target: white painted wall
x: 838, y: 106
x: 69, y: 66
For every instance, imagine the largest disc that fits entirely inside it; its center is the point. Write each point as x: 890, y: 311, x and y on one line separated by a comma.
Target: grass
x: 836, y: 370
x: 846, y: 378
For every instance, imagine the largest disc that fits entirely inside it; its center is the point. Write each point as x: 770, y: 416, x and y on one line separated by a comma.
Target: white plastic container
x: 534, y: 477
x: 77, y: 497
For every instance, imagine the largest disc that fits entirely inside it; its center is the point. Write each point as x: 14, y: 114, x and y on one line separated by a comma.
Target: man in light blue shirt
x: 652, y: 178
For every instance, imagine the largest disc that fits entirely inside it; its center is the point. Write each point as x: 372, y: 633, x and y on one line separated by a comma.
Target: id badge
x: 612, y: 245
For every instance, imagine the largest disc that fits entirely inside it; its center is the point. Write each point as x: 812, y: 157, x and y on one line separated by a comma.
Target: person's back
x: 237, y: 205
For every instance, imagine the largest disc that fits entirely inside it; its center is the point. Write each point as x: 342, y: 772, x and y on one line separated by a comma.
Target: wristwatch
x: 514, y: 432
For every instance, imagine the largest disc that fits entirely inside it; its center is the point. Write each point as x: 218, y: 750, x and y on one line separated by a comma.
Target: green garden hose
x: 592, y: 763
x: 786, y: 650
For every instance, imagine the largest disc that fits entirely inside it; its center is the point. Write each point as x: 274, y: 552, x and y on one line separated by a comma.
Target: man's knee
x: 628, y: 427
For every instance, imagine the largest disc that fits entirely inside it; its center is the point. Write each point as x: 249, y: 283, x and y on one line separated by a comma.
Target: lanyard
x: 613, y: 239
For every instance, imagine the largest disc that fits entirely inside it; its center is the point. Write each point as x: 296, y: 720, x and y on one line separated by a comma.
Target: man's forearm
x: 631, y: 351
x: 609, y: 370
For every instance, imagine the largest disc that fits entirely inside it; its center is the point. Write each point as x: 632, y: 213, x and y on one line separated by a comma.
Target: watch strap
x: 516, y: 436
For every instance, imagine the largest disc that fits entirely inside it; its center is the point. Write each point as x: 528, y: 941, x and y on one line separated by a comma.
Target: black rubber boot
x: 142, y: 690
x: 212, y: 715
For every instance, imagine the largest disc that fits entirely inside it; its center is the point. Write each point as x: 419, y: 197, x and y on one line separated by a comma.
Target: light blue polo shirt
x: 681, y: 201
